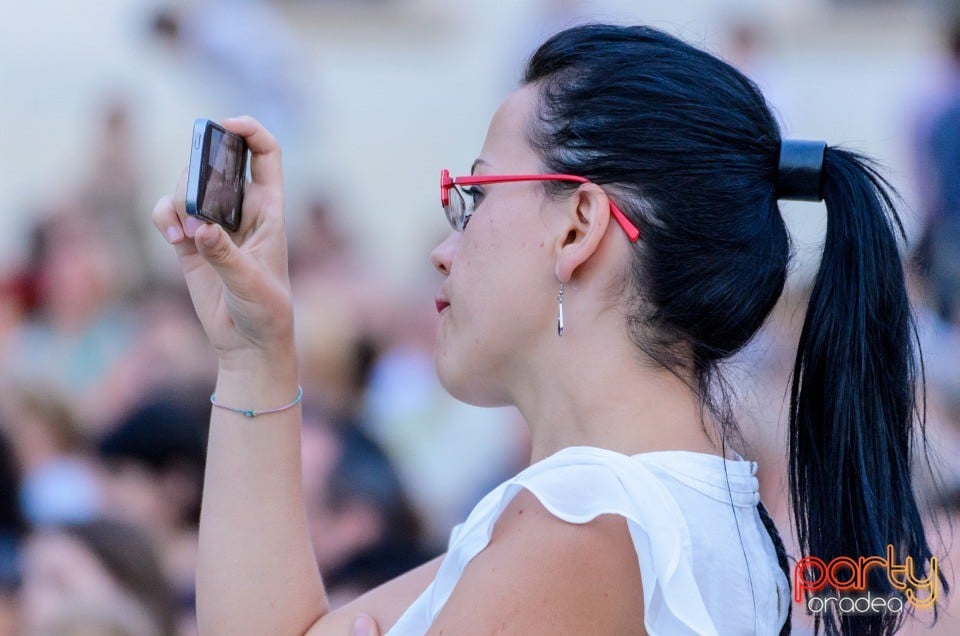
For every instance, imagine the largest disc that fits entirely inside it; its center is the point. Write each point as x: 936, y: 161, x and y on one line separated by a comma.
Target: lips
x: 442, y: 304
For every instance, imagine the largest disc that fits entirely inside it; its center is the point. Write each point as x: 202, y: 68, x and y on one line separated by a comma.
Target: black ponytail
x: 853, y: 402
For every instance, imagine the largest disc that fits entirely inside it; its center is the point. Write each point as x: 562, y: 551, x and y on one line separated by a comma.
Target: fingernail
x: 191, y: 225
x: 174, y: 234
x: 209, y: 239
x: 362, y: 626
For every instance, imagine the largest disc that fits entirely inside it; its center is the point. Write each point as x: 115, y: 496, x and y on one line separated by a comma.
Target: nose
x: 442, y: 255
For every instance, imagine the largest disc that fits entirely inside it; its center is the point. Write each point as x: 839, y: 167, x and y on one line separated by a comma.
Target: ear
x: 581, y: 229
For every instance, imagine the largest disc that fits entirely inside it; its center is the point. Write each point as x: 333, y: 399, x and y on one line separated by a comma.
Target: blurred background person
x: 56, y: 475
x: 152, y: 476
x: 364, y: 530
x: 97, y: 578
x: 251, y: 54
x: 79, y: 327
x: 937, y: 138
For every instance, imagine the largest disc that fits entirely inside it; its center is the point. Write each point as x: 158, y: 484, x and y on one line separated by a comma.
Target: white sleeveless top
x: 706, y: 561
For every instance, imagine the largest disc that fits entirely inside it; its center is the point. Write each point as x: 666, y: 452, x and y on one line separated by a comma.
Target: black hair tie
x: 800, y: 172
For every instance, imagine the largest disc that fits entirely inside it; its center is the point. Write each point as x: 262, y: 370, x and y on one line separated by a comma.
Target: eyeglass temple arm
x: 632, y: 232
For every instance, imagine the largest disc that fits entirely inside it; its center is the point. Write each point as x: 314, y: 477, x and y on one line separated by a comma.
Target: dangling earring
x: 560, y: 311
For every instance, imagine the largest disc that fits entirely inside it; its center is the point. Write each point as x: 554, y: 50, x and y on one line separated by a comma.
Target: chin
x: 468, y: 385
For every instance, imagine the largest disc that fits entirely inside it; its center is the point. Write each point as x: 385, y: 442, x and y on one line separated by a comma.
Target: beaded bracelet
x: 251, y: 412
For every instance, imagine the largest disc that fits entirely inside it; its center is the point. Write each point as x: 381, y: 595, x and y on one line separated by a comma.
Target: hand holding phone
x: 238, y: 282
x: 218, y: 171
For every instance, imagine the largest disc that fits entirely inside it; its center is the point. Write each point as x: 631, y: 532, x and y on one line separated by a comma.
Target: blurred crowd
x: 104, y: 404
x: 106, y: 376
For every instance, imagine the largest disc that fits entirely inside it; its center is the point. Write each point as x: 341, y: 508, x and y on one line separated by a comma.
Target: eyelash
x: 475, y: 194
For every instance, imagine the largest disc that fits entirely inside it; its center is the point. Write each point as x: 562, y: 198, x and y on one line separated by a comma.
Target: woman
x: 600, y: 303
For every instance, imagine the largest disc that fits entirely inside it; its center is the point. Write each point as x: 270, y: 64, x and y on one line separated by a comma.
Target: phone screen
x: 222, y: 174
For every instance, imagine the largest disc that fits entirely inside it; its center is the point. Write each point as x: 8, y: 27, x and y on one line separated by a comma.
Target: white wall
x: 401, y: 92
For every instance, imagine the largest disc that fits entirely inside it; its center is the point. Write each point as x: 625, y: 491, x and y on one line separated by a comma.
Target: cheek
x: 513, y: 268
x: 490, y: 271
x: 499, y: 288
x: 507, y: 246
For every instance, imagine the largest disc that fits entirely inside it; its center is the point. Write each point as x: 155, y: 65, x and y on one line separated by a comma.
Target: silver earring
x: 560, y: 311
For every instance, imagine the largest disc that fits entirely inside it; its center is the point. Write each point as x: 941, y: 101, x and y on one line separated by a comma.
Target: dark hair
x: 166, y: 433
x: 953, y: 38
x: 12, y: 524
x: 688, y: 148
x: 162, y: 432
x: 128, y: 554
x: 166, y: 24
x: 364, y: 474
x: 11, y: 519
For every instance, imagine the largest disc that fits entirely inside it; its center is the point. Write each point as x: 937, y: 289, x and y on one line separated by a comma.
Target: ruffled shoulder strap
x: 578, y: 484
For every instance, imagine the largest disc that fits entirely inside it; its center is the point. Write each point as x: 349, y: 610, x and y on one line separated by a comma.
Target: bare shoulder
x: 540, y: 574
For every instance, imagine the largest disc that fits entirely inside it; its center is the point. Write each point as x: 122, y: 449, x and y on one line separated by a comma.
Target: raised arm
x: 257, y: 573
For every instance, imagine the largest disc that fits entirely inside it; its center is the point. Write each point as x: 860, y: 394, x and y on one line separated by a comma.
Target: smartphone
x: 218, y: 171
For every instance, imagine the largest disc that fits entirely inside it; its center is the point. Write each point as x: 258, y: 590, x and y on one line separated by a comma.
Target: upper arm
x: 385, y: 603
x: 542, y: 575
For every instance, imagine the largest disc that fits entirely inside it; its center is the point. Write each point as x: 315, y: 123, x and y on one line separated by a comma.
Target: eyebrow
x: 477, y: 162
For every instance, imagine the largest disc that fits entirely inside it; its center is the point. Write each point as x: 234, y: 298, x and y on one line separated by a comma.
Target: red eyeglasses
x: 458, y: 213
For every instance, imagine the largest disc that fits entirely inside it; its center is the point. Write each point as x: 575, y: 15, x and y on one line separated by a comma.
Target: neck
x: 589, y: 393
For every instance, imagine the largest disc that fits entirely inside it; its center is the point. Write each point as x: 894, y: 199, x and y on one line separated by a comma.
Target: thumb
x: 219, y: 250
x: 364, y: 626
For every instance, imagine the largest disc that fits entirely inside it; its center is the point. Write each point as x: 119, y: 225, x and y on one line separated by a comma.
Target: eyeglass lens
x: 455, y: 208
